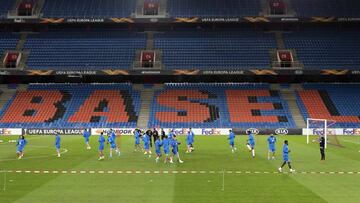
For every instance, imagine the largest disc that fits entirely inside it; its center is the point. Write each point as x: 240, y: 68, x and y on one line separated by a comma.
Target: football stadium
x: 174, y: 101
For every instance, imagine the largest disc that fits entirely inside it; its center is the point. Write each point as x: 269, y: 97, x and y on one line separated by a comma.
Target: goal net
x: 316, y: 128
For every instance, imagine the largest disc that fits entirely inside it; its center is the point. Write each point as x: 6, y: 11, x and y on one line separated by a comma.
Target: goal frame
x: 308, y: 129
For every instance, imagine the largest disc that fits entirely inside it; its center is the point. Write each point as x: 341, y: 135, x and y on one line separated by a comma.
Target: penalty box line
x: 173, y: 172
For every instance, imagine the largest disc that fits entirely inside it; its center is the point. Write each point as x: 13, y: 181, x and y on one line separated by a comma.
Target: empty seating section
x: 5, y: 6
x: 335, y: 102
x: 88, y: 8
x: 215, y: 49
x: 327, y: 49
x: 8, y: 41
x: 219, y: 106
x: 83, y: 50
x: 72, y: 106
x: 326, y: 8
x: 213, y: 8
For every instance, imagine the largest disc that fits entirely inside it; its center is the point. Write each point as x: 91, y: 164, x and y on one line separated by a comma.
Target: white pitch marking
x: 91, y: 172
x: 165, y: 171
x: 156, y: 172
x: 256, y: 172
x: 184, y: 172
x: 46, y: 171
x: 211, y: 171
x: 36, y: 171
x: 350, y: 172
x: 229, y: 172
x: 100, y: 171
x: 266, y: 172
x: 128, y: 172
x: 247, y: 172
x: 341, y: 172
x: 147, y: 172
x: 4, y: 188
x: 110, y: 172
x: 193, y: 172
x: 73, y: 172
x: 18, y: 171
x: 63, y: 171
x: 175, y: 172
x: 202, y: 172
x: 138, y: 172
x: 322, y: 172
x: 119, y: 172
x: 82, y: 172
x: 304, y: 172
x: 55, y: 172
x: 27, y: 171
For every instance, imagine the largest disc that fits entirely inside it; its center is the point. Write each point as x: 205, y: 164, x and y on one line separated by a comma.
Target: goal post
x: 318, y: 127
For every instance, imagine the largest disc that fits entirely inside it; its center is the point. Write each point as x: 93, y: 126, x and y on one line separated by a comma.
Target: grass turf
x: 212, y: 154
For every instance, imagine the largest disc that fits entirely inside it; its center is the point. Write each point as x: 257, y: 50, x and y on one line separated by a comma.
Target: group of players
x: 168, y: 143
x: 250, y: 144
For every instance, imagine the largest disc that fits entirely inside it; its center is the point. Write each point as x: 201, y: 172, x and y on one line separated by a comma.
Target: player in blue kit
x: 113, y: 135
x: 251, y: 143
x: 57, y: 144
x: 231, y: 139
x: 158, y: 144
x: 166, y: 145
x: 112, y: 143
x: 175, y: 149
x: 101, y: 146
x: 272, y: 148
x: 137, y: 133
x: 20, y: 146
x: 86, y: 136
x: 146, y: 140
x: 286, y: 157
x: 189, y: 141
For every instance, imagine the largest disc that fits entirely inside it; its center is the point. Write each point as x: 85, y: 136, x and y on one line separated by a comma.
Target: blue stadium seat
x: 218, y: 99
x: 344, y: 97
x: 326, y: 49
x: 83, y: 50
x: 213, y: 8
x: 215, y: 49
x: 326, y: 8
x: 89, y: 8
x: 8, y: 41
x: 5, y: 6
x: 79, y: 93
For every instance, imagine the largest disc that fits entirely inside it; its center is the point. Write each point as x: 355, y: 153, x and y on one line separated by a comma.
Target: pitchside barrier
x: 183, y: 131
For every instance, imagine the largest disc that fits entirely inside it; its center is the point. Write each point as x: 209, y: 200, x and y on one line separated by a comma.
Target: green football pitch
x: 210, y: 174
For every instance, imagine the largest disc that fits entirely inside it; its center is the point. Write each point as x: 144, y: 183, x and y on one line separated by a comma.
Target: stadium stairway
x: 20, y: 44
x: 7, y: 93
x: 289, y: 94
x: 146, y: 97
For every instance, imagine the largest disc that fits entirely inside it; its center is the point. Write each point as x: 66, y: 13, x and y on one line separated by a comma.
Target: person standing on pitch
x: 231, y: 139
x: 322, y: 148
x: 272, y: 142
x: 57, y: 144
x: 150, y: 134
x: 20, y: 146
x: 286, y: 157
x: 251, y: 143
x: 101, y: 146
x: 155, y: 134
x: 162, y: 134
x: 86, y: 136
